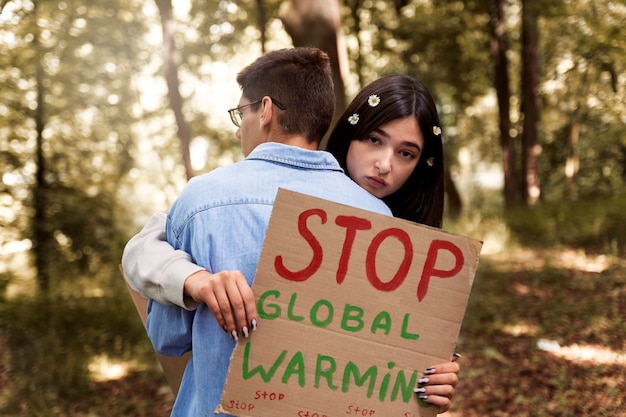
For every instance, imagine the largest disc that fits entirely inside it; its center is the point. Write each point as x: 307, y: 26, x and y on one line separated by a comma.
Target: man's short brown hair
x: 300, y: 79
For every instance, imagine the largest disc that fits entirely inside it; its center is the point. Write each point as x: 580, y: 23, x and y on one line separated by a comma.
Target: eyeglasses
x: 236, y: 116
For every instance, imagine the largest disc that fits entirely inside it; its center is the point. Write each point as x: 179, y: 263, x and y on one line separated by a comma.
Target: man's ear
x: 267, y: 112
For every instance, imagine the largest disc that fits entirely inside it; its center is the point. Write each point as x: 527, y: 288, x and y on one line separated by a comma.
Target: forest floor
x: 544, y: 335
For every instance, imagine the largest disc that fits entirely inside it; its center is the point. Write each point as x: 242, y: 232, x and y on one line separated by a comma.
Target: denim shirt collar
x: 295, y: 156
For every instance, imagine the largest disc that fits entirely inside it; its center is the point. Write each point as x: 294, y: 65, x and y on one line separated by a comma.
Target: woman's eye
x: 407, y: 154
x: 373, y: 139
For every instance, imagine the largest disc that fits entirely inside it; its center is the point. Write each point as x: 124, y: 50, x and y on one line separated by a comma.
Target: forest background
x: 108, y: 107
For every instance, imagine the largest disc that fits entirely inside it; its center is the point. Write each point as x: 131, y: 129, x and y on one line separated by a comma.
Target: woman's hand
x: 438, y: 383
x: 228, y: 296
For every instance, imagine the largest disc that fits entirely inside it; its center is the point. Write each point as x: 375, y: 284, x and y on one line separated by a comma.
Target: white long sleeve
x: 154, y: 269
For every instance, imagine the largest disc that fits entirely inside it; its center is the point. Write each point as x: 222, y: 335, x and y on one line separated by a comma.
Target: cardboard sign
x: 354, y: 306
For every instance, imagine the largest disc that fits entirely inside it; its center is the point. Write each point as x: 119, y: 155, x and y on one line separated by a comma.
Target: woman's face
x: 382, y: 162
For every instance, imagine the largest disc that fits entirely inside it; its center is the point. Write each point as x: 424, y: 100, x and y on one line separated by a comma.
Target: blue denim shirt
x: 220, y: 219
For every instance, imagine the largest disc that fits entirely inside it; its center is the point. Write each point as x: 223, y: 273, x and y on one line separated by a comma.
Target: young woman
x: 389, y: 142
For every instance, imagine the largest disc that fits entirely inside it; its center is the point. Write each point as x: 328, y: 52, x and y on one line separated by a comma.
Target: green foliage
x: 67, y: 82
x: 601, y: 159
x: 600, y: 223
x: 225, y: 28
x: 583, y: 46
x: 450, y: 35
x: 52, y: 341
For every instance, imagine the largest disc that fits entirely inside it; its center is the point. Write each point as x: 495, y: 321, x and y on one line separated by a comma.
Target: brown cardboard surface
x: 354, y: 306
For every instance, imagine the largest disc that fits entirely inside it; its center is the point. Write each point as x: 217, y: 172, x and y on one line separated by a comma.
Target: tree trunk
x: 501, y: 82
x: 455, y: 204
x: 170, y: 58
x: 318, y: 24
x: 531, y: 190
x: 42, y: 236
x: 261, y: 20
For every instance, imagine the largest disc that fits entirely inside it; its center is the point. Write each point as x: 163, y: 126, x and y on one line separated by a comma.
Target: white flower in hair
x: 354, y: 119
x: 436, y: 130
x: 373, y: 100
x: 430, y: 161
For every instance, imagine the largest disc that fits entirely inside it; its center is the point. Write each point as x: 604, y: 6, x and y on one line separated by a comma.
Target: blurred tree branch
x: 171, y: 61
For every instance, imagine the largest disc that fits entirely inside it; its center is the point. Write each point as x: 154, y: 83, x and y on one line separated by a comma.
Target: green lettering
x: 385, y: 384
x: 275, y: 307
x: 405, y: 334
x: 315, y: 320
x: 327, y: 374
x: 352, y: 370
x: 266, y: 376
x: 290, y: 314
x: 406, y: 389
x: 354, y: 314
x: 295, y: 367
x: 382, y: 321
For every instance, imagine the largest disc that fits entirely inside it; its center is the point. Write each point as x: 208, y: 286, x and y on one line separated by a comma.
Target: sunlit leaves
x: 68, y: 69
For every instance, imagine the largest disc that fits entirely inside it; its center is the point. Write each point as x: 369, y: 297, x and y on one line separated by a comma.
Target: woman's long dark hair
x: 421, y: 198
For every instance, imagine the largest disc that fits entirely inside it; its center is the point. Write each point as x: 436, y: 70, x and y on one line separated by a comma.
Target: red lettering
x: 431, y: 261
x: 241, y: 405
x: 271, y: 396
x: 355, y: 409
x: 352, y: 224
x: 316, y: 260
x: 403, y: 270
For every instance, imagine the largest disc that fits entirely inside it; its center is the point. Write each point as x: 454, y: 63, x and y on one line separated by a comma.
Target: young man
x: 221, y: 217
